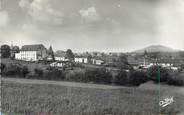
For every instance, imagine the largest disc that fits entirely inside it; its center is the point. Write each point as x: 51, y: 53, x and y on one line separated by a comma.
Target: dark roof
x: 35, y: 47
x: 78, y: 56
x: 60, y: 53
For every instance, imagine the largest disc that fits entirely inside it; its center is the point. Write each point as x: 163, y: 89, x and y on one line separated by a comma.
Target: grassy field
x: 56, y: 99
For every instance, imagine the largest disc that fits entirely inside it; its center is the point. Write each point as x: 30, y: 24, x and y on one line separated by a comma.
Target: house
x: 97, y: 61
x: 174, y: 68
x: 81, y: 59
x: 61, y: 64
x: 58, y: 58
x: 32, y: 53
x: 61, y: 56
x: 167, y: 62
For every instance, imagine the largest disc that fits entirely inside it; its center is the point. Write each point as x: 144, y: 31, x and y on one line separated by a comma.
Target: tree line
x: 98, y: 76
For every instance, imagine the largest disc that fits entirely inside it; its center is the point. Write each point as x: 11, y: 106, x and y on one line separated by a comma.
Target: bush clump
x: 25, y: 71
x: 137, y: 77
x: 54, y: 74
x: 131, y: 78
x: 38, y: 73
x: 15, y: 70
x: 176, y: 79
x: 121, y: 78
x: 76, y: 75
x: 3, y: 66
x: 98, y: 76
x: 158, y: 73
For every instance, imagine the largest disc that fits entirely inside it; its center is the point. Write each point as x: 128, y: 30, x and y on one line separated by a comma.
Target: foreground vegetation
x: 53, y: 99
x: 100, y: 75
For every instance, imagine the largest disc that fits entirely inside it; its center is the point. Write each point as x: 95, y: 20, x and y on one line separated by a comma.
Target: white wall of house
x: 57, y: 64
x: 26, y: 55
x: 174, y: 68
x: 97, y: 61
x: 81, y: 60
x: 60, y: 64
x: 17, y: 56
x: 61, y: 59
x: 53, y: 64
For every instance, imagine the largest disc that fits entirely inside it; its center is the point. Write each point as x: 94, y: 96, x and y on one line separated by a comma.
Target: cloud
x: 4, y: 19
x: 89, y: 14
x: 41, y: 11
x: 171, y: 25
x: 24, y: 3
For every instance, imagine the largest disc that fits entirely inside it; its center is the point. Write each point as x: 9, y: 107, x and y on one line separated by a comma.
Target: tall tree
x: 181, y: 53
x: 122, y: 62
x: 69, y: 54
x: 145, y: 54
x: 51, y: 52
x: 123, y: 58
x: 5, y: 51
x: 14, y: 49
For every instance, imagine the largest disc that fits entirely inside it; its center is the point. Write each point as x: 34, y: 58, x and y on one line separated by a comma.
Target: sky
x: 93, y: 25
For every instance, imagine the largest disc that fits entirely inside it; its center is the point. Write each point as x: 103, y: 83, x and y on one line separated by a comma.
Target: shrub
x: 182, y: 66
x: 86, y: 75
x: 121, y: 78
x: 131, y: 78
x: 16, y: 70
x: 54, y: 74
x: 78, y: 76
x: 38, y: 73
x: 3, y: 66
x: 137, y: 78
x: 153, y: 73
x: 98, y: 76
x: 25, y: 71
x: 176, y: 79
x: 12, y: 69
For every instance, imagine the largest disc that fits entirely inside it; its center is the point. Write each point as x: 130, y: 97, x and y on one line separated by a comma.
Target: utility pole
x: 0, y: 62
x: 158, y: 78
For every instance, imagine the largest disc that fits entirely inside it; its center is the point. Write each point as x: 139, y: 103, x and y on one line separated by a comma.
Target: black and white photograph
x: 92, y: 57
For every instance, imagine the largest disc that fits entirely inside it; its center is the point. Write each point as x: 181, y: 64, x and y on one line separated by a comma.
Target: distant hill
x: 156, y: 48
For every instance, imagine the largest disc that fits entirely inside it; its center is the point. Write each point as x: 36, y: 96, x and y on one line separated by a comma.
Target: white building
x: 57, y: 58
x: 57, y: 64
x: 97, y: 61
x: 174, y: 68
x: 61, y: 56
x: 81, y: 59
x: 61, y: 64
x: 32, y: 53
x: 26, y: 55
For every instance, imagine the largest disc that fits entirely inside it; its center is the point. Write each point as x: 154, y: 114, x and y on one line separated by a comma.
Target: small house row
x: 82, y: 59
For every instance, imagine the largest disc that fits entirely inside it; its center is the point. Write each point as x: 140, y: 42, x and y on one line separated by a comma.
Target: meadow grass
x: 54, y: 99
